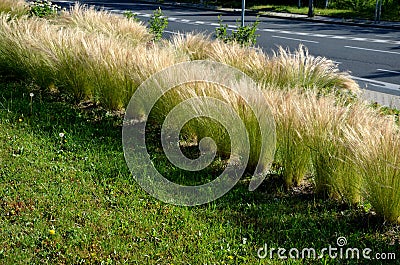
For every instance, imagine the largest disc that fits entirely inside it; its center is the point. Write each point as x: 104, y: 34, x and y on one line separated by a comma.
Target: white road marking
x: 330, y: 36
x: 389, y: 71
x: 390, y: 86
x: 372, y: 50
x: 171, y: 32
x: 385, y: 36
x: 280, y: 37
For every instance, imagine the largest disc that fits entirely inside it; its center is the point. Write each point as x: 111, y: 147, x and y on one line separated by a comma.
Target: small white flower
x: 61, y: 135
x: 31, y: 95
x: 244, y: 240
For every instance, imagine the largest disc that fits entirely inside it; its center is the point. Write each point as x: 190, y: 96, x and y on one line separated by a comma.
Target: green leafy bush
x: 158, y: 22
x: 131, y: 15
x: 43, y: 8
x: 244, y: 35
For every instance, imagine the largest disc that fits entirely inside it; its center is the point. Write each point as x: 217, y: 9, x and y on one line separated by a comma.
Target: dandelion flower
x: 20, y: 120
x: 52, y: 232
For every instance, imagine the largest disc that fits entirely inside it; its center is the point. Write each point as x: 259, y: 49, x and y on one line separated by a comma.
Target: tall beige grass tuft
x: 79, y: 63
x: 106, y: 23
x: 309, y: 140
x: 14, y: 7
x: 293, y: 154
x: 196, y: 46
x: 302, y: 70
x: 202, y: 127
x: 20, y: 51
x: 283, y: 70
x: 334, y: 173
x: 376, y: 151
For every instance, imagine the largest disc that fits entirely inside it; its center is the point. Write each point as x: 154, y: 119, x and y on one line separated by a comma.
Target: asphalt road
x: 371, y: 55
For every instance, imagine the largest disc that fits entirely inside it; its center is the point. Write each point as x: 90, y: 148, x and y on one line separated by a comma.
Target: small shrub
x: 158, y: 23
x: 43, y: 8
x: 244, y: 35
x: 131, y: 15
x: 221, y: 32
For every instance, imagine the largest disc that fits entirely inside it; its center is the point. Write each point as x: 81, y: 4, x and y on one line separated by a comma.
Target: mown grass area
x: 79, y: 187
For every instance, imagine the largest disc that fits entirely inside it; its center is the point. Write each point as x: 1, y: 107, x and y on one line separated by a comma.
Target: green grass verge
x: 389, y: 13
x: 71, y: 199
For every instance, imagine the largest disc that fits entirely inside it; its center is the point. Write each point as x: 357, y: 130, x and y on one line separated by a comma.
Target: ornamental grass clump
x: 299, y: 69
x: 20, y: 49
x: 14, y: 7
x: 103, y: 22
x: 376, y: 152
x: 309, y: 142
x: 324, y: 119
x: 292, y: 154
x: 283, y: 70
x: 80, y: 64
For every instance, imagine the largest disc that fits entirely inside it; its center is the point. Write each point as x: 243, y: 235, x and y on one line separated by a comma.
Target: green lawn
x: 71, y: 199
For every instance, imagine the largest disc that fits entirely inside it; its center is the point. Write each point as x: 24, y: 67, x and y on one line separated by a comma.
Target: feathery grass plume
x: 14, y: 7
x: 250, y: 60
x: 334, y: 174
x: 80, y: 64
x: 283, y: 70
x: 21, y: 53
x: 196, y: 46
x: 376, y: 151
x: 302, y: 70
x: 36, y: 49
x: 202, y: 127
x: 309, y: 133
x: 293, y: 154
x: 100, y: 21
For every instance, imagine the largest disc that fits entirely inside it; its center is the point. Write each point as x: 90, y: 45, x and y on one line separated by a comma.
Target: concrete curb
x: 317, y: 19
